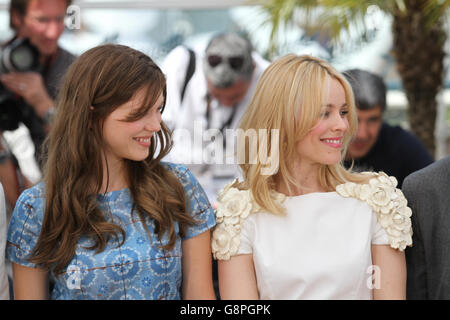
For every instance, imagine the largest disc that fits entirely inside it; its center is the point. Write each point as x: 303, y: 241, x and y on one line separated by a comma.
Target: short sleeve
x: 247, y: 235
x: 197, y: 203
x: 379, y: 235
x: 24, y: 227
x: 389, y: 205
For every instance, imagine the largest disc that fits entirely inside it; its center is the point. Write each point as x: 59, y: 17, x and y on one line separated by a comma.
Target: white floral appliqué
x: 234, y: 207
x: 389, y: 204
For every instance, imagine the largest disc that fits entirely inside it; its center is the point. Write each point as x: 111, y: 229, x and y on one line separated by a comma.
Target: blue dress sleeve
x: 25, y: 227
x: 198, y: 205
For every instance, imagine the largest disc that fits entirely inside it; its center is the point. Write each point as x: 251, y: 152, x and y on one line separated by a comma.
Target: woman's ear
x: 91, y: 108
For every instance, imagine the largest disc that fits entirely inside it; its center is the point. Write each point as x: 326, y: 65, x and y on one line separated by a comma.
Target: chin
x: 48, y: 50
x: 331, y: 163
x: 332, y: 160
x: 138, y: 158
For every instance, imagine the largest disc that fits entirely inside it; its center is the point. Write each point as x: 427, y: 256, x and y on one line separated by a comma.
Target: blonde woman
x: 310, y: 229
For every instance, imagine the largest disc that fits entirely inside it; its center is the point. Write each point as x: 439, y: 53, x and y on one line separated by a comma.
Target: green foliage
x: 332, y: 17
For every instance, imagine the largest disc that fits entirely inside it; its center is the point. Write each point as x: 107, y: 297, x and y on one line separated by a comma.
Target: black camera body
x: 19, y: 55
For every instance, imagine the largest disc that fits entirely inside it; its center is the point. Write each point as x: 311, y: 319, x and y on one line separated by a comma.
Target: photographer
x: 28, y: 97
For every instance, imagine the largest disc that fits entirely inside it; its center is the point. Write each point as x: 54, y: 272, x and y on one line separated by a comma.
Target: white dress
x: 319, y: 250
x: 321, y: 247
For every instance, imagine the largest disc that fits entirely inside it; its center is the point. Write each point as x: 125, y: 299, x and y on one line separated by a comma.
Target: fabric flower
x: 346, y: 189
x: 234, y: 206
x: 225, y: 242
x: 388, y: 203
x: 381, y: 196
x: 235, y: 203
x: 226, y: 188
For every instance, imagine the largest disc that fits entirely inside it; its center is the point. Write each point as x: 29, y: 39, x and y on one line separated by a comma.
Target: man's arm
x: 31, y: 87
x: 4, y: 285
x: 416, y: 285
x: 8, y: 176
x: 174, y: 67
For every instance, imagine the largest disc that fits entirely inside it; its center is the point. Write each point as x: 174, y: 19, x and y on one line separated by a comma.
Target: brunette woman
x: 110, y: 220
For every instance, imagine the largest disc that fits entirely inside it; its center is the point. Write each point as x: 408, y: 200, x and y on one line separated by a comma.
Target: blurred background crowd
x: 404, y: 42
x: 157, y: 27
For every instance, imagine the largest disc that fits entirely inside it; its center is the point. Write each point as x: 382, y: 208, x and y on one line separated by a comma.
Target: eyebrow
x: 329, y: 105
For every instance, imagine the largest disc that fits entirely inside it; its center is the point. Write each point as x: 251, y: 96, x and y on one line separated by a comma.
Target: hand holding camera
x: 20, y: 78
x: 30, y: 86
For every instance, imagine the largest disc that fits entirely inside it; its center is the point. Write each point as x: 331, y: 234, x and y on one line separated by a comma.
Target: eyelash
x: 327, y: 113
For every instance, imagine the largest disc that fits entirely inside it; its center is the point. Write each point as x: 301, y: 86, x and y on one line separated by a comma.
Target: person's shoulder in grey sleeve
x: 428, y: 195
x: 4, y: 286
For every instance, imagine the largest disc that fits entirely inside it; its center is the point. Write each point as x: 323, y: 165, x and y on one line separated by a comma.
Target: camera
x: 17, y: 56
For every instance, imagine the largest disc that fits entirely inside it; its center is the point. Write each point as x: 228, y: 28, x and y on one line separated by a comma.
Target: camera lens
x: 22, y: 58
x: 20, y: 55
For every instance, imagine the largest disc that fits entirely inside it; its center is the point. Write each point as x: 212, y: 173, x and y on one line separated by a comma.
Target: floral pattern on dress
x: 139, y: 269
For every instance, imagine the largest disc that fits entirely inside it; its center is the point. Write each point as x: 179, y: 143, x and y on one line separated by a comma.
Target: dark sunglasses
x: 235, y: 63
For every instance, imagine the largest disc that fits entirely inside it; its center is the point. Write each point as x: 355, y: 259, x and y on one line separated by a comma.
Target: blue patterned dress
x: 139, y: 269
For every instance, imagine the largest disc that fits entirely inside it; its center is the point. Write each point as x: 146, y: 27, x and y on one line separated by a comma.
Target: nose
x: 153, y: 122
x: 225, y: 74
x: 54, y: 30
x: 340, y: 123
x: 362, y: 132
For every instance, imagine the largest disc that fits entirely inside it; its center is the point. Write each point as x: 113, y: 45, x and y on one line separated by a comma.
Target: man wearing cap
x: 202, y: 109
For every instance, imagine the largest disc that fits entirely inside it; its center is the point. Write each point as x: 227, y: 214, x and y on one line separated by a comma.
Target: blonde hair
x: 289, y: 97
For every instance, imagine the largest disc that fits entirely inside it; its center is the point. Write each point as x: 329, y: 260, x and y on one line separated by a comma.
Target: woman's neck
x: 306, y: 178
x: 114, y: 176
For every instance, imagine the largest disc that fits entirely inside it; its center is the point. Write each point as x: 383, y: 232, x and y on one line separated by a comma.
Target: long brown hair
x: 99, y: 81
